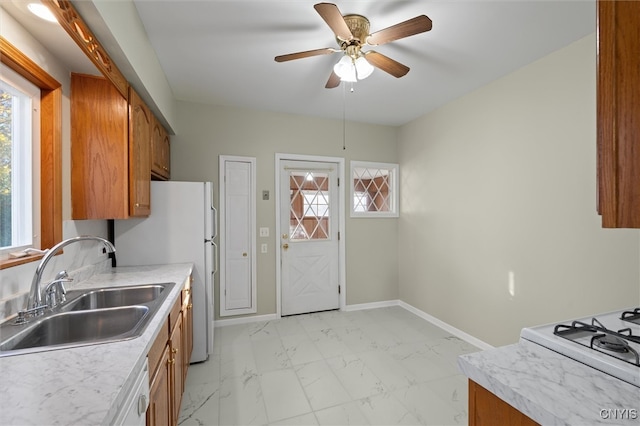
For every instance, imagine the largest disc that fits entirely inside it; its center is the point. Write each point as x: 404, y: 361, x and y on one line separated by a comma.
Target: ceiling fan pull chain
x: 344, y: 116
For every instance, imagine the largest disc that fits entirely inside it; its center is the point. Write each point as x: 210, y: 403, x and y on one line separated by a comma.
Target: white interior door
x: 237, y: 248
x: 309, y: 236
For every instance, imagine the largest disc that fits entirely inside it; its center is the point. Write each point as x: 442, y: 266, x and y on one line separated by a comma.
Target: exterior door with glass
x: 309, y: 236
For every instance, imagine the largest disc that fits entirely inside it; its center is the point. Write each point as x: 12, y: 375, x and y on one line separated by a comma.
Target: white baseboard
x: 245, y: 320
x: 371, y: 305
x: 443, y: 325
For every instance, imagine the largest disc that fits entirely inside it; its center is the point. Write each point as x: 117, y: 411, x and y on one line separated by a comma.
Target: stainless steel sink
x: 89, y: 317
x: 79, y: 327
x: 113, y: 297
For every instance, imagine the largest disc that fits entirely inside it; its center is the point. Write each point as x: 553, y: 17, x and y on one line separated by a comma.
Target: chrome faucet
x: 34, y: 303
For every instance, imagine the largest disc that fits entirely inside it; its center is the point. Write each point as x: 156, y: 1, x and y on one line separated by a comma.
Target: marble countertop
x: 551, y: 388
x: 88, y: 384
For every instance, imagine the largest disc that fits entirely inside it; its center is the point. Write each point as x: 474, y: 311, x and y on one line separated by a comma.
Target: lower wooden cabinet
x: 177, y: 368
x: 168, y: 362
x: 160, y: 401
x: 487, y: 409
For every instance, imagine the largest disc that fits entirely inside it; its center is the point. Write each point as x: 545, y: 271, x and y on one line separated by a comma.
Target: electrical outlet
x: 263, y: 248
x: 264, y: 232
x: 265, y: 195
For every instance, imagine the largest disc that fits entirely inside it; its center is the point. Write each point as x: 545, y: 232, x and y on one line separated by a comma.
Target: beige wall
x: 501, y: 183
x: 205, y: 132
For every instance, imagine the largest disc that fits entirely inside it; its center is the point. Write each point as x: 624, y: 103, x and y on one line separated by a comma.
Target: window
x: 374, y: 189
x: 49, y: 166
x: 19, y: 160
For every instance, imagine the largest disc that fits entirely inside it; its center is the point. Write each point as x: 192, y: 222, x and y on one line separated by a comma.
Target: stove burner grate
x: 631, y: 316
x: 602, y: 339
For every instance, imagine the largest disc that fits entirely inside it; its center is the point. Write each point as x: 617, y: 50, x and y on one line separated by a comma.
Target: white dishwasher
x: 134, y: 409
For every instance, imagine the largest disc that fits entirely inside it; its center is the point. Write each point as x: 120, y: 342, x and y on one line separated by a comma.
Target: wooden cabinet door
x: 187, y: 335
x: 140, y: 122
x: 160, y: 396
x: 99, y: 150
x: 486, y: 409
x: 160, y: 151
x: 177, y: 366
x: 618, y: 113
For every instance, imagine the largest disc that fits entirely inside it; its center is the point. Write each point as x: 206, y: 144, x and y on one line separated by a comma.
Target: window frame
x: 25, y: 163
x: 50, y: 148
x: 394, y: 188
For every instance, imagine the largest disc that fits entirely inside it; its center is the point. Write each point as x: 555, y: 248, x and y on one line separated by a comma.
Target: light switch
x: 264, y: 232
x: 263, y: 248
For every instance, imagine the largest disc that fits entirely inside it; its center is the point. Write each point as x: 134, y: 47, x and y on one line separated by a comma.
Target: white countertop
x: 85, y: 385
x: 552, y: 389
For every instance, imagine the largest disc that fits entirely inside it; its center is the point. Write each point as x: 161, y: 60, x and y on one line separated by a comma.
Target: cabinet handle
x: 190, y: 305
x: 171, y: 361
x: 174, y: 351
x: 137, y: 204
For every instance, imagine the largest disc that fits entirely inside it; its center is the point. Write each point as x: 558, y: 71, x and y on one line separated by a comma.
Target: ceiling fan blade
x: 305, y: 54
x: 386, y: 64
x: 334, y: 81
x: 417, y: 25
x: 332, y: 16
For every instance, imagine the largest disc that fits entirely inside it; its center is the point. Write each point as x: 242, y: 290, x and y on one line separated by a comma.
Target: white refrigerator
x: 181, y: 228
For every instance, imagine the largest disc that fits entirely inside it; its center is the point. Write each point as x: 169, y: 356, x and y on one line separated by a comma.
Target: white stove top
x: 577, y: 345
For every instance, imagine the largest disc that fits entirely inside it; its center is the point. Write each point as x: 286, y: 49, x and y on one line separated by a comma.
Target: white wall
x: 205, y: 132
x: 498, y: 187
x: 15, y: 282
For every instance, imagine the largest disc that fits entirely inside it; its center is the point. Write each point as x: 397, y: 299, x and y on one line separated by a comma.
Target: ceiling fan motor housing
x: 359, y: 27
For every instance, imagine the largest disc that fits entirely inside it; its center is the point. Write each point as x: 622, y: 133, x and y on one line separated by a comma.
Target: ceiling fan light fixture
x: 345, y: 69
x: 363, y: 68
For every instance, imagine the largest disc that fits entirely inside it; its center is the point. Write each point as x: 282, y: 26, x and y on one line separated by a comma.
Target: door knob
x: 285, y: 246
x: 285, y: 236
x: 244, y: 254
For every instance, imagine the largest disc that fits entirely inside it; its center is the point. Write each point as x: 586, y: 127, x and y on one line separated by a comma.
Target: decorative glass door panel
x: 309, y: 207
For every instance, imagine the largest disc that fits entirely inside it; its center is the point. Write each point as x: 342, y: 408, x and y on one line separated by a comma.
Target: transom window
x: 374, y: 189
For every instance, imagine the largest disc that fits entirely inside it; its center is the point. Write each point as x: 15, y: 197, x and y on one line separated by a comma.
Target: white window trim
x: 28, y: 193
x: 395, y: 188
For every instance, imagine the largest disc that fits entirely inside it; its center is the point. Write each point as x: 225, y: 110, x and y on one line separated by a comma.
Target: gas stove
x: 609, y: 342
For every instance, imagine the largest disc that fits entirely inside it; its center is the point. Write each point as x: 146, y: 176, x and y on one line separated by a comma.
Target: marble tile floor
x: 383, y: 366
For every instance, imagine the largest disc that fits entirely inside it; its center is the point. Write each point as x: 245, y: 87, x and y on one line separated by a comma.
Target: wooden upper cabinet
x: 99, y: 149
x: 140, y: 124
x: 618, y: 113
x: 160, y: 152
x: 110, y: 151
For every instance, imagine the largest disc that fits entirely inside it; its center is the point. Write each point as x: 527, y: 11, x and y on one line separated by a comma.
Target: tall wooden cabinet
x: 110, y: 151
x: 618, y: 113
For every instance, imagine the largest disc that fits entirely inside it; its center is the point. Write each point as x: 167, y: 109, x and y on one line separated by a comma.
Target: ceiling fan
x: 352, y: 34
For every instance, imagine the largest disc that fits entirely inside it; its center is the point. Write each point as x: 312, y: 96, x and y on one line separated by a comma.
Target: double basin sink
x: 88, y: 317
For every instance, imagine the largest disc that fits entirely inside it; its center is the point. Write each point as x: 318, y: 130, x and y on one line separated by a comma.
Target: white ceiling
x: 221, y: 52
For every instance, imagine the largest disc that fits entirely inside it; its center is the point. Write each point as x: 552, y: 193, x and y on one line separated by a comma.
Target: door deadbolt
x: 285, y: 246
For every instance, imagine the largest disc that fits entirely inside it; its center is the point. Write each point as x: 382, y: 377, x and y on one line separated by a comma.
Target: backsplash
x: 81, y: 260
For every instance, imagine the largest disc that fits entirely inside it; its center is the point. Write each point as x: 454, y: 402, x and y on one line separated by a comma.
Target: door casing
x: 339, y: 162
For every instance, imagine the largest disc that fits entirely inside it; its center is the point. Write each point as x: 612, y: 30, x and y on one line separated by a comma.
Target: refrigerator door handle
x: 215, y: 257
x: 214, y: 219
